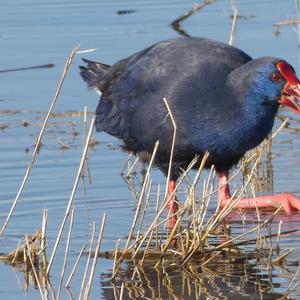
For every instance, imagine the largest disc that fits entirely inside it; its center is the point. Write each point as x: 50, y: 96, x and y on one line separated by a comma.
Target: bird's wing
x: 186, y: 70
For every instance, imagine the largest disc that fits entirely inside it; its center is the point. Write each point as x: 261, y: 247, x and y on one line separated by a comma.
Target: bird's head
x: 275, y: 81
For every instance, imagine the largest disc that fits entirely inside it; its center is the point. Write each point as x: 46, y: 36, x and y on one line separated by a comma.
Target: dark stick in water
x: 176, y: 23
x: 28, y: 68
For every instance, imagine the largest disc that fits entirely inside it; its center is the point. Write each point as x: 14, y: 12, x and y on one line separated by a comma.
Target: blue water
x: 42, y: 32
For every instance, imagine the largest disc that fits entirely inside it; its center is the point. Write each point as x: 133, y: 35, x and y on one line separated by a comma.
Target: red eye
x: 275, y: 76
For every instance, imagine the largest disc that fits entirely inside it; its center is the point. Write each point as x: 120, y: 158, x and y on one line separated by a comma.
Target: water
x: 41, y: 32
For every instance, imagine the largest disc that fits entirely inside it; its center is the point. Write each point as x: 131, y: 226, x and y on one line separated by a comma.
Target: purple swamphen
x: 222, y: 100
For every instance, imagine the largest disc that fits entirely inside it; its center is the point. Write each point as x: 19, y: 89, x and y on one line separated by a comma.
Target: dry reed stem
x: 280, y: 258
x: 39, y: 139
x: 16, y: 252
x: 173, y: 142
x: 278, y: 233
x: 87, y: 50
x: 156, y: 212
x: 141, y: 195
x: 88, y: 260
x: 49, y: 285
x: 133, y: 166
x: 80, y: 168
x: 210, y: 259
x: 85, y: 115
x: 283, y: 124
x: 126, y: 164
x: 290, y: 287
x: 70, y: 294
x: 249, y: 241
x: 146, y: 249
x: 43, y: 240
x: 122, y: 291
x: 28, y: 254
x: 169, y: 240
x: 90, y: 282
x: 66, y: 253
x: 75, y: 266
x: 116, y: 255
x: 269, y: 261
x: 144, y: 210
x: 233, y: 27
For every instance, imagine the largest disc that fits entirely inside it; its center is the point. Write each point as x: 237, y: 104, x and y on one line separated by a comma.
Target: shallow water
x: 41, y: 32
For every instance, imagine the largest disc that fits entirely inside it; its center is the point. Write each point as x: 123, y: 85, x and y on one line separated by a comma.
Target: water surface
x: 40, y: 32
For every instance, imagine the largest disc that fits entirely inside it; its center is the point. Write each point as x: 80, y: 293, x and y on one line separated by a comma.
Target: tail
x: 92, y: 73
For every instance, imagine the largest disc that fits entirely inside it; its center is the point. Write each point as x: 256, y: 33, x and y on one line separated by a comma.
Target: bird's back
x: 189, y: 72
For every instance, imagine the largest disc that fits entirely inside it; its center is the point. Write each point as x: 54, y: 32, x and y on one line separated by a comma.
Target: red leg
x: 172, y: 204
x: 288, y: 201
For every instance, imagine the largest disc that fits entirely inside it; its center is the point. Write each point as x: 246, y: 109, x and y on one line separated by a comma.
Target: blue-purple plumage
x: 222, y: 100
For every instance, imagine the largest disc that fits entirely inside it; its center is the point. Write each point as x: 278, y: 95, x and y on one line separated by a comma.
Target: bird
x: 223, y: 101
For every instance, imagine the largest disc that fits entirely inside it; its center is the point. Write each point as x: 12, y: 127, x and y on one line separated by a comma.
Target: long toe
x: 293, y: 200
x: 288, y: 201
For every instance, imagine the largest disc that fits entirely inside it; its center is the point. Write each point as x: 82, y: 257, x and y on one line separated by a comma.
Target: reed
x: 66, y: 253
x: 70, y: 202
x: 39, y: 139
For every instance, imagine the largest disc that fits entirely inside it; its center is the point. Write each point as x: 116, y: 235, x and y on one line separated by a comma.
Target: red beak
x: 291, y: 91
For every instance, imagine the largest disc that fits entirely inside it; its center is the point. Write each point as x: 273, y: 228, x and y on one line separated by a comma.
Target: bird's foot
x: 288, y: 201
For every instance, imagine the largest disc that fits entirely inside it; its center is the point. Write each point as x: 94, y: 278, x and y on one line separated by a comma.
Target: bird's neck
x: 253, y: 99
x: 256, y: 117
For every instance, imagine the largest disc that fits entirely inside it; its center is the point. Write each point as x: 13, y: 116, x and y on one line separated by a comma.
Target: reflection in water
x: 239, y: 281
